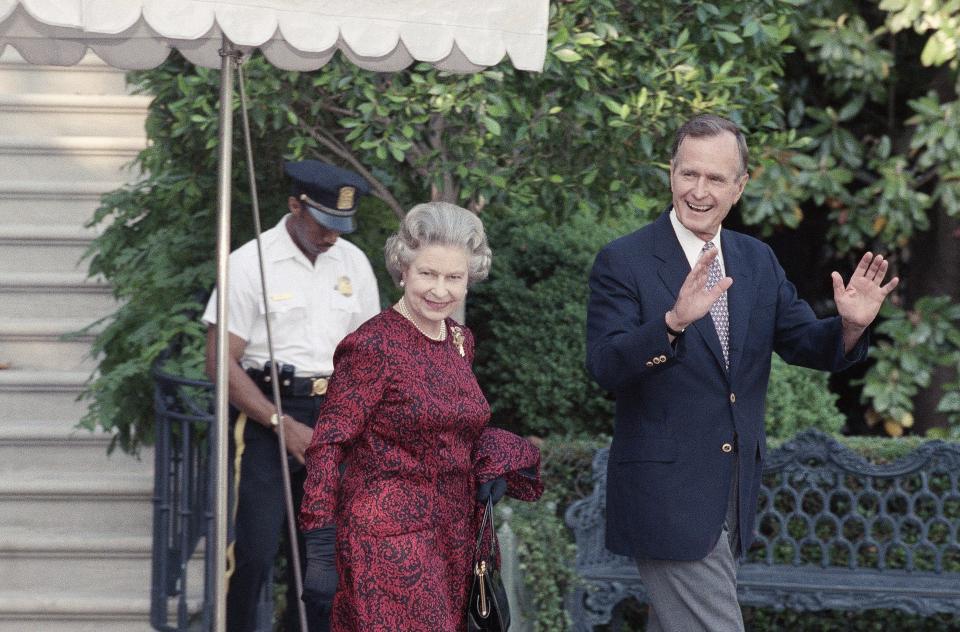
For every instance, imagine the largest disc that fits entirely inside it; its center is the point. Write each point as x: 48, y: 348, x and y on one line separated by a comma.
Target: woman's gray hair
x: 439, y: 224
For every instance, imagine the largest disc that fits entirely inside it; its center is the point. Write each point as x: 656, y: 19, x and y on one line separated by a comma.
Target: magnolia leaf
x: 567, y: 55
x: 492, y: 125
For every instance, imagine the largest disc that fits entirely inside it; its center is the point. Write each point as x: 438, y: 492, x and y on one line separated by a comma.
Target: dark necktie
x: 718, y: 311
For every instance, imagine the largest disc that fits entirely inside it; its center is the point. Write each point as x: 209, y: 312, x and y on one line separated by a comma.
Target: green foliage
x: 543, y: 550
x: 874, y: 197
x: 840, y: 129
x: 885, y: 131
x: 635, y: 71
x: 936, y: 142
x: 545, y: 546
x: 530, y: 322
x: 798, y: 398
x: 916, y: 342
x: 942, y: 18
x: 618, y: 79
x: 157, y: 245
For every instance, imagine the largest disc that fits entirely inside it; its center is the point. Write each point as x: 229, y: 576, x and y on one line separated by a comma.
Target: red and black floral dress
x: 405, y: 416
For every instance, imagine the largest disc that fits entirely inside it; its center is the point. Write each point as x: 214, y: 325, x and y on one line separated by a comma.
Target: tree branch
x: 338, y: 110
x: 419, y: 161
x: 450, y: 191
x: 345, y: 154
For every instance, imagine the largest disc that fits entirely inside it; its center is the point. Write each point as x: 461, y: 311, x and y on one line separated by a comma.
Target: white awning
x: 384, y: 35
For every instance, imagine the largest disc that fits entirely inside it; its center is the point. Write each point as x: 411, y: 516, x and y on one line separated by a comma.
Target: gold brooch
x: 458, y: 340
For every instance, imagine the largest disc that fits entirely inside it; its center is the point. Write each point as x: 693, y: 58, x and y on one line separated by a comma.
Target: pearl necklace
x: 402, y: 308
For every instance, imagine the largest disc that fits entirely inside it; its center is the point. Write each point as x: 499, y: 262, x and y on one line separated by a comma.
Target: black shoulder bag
x: 487, y: 608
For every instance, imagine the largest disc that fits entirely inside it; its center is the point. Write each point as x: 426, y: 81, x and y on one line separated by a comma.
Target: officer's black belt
x: 291, y: 386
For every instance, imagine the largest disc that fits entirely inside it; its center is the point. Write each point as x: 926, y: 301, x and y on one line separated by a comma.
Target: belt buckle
x: 319, y: 386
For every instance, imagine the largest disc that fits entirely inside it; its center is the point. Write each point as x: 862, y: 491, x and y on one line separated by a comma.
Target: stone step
x: 46, y: 446
x: 47, y: 344
x: 78, y: 561
x: 75, y: 522
x: 68, y: 157
x: 90, y: 76
x: 43, y: 248
x: 35, y: 296
x: 48, y: 611
x: 47, y: 353
x: 73, y: 114
x: 97, y: 504
x: 32, y: 394
x: 49, y: 203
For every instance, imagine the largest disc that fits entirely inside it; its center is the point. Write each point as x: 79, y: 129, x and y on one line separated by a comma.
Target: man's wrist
x: 674, y: 327
x: 851, y: 328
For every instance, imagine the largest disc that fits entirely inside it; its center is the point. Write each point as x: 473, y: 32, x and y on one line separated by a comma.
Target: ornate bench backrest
x: 821, y: 504
x: 586, y: 517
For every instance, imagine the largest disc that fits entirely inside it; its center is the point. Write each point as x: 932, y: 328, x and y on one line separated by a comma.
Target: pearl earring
x: 402, y: 283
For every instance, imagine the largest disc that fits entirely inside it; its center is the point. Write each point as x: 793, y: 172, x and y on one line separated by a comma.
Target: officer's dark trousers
x: 261, y: 519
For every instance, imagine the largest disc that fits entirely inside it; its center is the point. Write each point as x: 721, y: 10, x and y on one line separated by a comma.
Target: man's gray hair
x: 708, y: 125
x: 439, y: 224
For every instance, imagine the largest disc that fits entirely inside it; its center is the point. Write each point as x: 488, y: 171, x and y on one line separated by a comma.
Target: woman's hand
x: 320, y: 581
x: 493, y: 489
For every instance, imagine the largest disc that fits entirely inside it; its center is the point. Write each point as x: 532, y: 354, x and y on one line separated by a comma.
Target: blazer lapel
x: 673, y: 267
x: 740, y: 297
x: 673, y: 270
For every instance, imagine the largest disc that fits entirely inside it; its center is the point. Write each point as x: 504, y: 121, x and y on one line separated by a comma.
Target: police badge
x: 344, y: 286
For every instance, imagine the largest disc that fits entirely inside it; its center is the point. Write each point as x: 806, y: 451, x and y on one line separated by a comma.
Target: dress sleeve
x: 358, y: 384
x: 501, y: 453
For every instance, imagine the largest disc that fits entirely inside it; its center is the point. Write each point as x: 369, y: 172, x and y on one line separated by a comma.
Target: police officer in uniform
x: 320, y: 288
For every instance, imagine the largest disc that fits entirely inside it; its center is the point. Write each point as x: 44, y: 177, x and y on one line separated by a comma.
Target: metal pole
x: 294, y: 560
x: 219, y: 543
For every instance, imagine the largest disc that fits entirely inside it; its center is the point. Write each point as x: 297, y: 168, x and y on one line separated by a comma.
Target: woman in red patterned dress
x: 401, y: 446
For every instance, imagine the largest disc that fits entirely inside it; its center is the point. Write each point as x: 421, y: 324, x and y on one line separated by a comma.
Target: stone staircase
x: 75, y: 523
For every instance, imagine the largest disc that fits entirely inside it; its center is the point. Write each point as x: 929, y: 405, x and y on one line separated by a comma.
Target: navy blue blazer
x: 668, y: 477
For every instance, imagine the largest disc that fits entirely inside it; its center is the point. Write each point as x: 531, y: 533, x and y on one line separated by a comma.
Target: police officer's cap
x: 329, y: 193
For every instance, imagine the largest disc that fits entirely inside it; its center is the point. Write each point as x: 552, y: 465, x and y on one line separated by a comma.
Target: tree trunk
x: 934, y: 270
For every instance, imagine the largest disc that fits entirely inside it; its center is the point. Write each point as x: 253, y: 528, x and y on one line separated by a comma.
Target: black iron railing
x: 182, y: 583
x: 182, y: 498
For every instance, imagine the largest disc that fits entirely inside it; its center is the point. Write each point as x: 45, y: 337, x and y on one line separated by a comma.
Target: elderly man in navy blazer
x: 682, y: 320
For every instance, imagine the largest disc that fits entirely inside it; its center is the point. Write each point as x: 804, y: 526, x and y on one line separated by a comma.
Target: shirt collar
x: 691, y: 244
x: 283, y: 247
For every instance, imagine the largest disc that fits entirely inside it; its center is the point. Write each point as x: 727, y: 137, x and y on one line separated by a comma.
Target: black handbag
x: 487, y: 608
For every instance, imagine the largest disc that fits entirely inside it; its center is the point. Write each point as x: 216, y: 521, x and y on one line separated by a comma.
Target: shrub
x: 798, y: 398
x: 530, y: 322
x: 545, y: 548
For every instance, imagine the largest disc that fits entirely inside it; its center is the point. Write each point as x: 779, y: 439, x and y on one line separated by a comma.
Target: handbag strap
x: 487, y: 518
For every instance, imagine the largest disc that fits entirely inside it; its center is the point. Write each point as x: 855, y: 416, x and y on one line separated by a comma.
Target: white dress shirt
x: 693, y: 245
x: 312, y: 306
